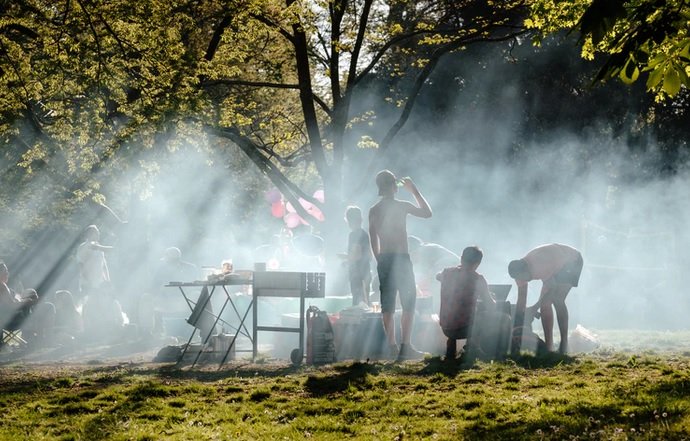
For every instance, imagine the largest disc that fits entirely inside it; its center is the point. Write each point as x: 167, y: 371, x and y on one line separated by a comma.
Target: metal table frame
x: 285, y: 284
x: 198, y: 308
x: 264, y: 284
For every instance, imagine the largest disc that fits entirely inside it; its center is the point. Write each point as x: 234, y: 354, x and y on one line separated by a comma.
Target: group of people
x: 39, y: 319
x: 62, y: 317
x: 558, y: 266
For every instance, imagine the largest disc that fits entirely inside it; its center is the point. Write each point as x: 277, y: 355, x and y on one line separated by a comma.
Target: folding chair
x: 11, y: 332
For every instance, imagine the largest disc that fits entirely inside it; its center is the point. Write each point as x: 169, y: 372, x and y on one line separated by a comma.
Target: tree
x: 86, y: 86
x: 635, y: 36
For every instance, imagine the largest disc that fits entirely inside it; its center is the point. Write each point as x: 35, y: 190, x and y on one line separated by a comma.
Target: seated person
x: 11, y: 303
x: 39, y: 325
x: 18, y: 310
x: 103, y: 317
x: 68, y: 320
x: 461, y: 287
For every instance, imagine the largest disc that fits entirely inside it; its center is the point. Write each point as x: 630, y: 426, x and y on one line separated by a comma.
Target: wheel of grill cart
x: 296, y: 356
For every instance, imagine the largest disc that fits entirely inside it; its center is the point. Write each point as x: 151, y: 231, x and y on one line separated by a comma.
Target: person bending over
x: 559, y: 267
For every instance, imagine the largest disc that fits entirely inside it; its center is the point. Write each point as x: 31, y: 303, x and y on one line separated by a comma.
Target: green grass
x: 605, y: 395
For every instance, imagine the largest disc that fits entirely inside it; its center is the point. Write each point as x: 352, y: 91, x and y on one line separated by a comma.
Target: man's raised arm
x: 422, y: 209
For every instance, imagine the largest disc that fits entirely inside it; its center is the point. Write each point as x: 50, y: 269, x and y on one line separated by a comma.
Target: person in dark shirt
x: 358, y: 257
x: 461, y: 287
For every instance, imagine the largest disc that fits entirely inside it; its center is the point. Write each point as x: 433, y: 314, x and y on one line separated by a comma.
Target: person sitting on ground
x: 461, y: 287
x: 559, y: 267
x: 68, y: 321
x: 103, y: 316
x: 14, y: 307
x: 24, y: 310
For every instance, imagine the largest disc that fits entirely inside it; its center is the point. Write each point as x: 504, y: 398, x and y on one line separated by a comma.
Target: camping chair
x: 11, y: 332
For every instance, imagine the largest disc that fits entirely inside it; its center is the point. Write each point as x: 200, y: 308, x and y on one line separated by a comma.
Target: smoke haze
x: 571, y: 188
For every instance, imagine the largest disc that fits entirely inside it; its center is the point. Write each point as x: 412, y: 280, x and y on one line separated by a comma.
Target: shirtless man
x: 388, y: 233
x: 558, y: 267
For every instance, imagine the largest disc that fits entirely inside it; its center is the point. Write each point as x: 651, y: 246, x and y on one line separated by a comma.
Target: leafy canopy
x: 86, y: 86
x: 637, y: 36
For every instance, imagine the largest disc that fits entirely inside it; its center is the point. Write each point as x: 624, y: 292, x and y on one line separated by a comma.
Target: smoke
x: 488, y: 182
x: 492, y: 184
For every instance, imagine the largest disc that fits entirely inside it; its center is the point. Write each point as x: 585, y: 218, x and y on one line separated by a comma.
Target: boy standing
x: 358, y: 256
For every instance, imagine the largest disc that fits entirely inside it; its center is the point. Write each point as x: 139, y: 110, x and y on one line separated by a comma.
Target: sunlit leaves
x: 637, y: 36
x: 630, y: 72
x: 367, y: 142
x: 672, y: 82
x: 90, y: 86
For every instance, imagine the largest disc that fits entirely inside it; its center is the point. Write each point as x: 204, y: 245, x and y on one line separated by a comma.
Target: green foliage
x: 86, y: 87
x: 636, y: 36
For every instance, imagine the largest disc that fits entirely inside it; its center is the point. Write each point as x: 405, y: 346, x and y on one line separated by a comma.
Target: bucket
x: 221, y: 344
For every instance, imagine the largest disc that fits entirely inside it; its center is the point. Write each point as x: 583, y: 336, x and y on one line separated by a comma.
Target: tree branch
x: 215, y: 39
x: 419, y: 83
x: 283, y: 32
x: 227, y: 82
x: 354, y: 59
x: 291, y: 191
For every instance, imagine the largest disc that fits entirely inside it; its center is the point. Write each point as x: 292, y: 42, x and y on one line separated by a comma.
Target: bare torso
x: 546, y: 260
x: 388, y: 226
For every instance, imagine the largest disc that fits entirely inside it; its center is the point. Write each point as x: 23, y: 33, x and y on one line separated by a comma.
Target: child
x: 358, y: 256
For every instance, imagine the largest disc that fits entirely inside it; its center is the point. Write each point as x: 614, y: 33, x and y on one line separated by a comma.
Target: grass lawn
x: 638, y: 388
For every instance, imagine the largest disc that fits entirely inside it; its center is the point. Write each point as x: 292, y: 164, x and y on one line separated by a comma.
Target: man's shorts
x: 570, y: 273
x: 396, y: 275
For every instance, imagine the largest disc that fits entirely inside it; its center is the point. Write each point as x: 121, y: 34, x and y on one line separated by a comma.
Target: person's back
x: 461, y: 288
x: 459, y: 295
x: 389, y: 217
x: 545, y: 261
x: 388, y: 235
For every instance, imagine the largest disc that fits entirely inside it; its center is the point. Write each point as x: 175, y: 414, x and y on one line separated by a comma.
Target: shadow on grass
x: 357, y: 375
x: 677, y: 386
x: 437, y: 365
x: 541, y: 361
